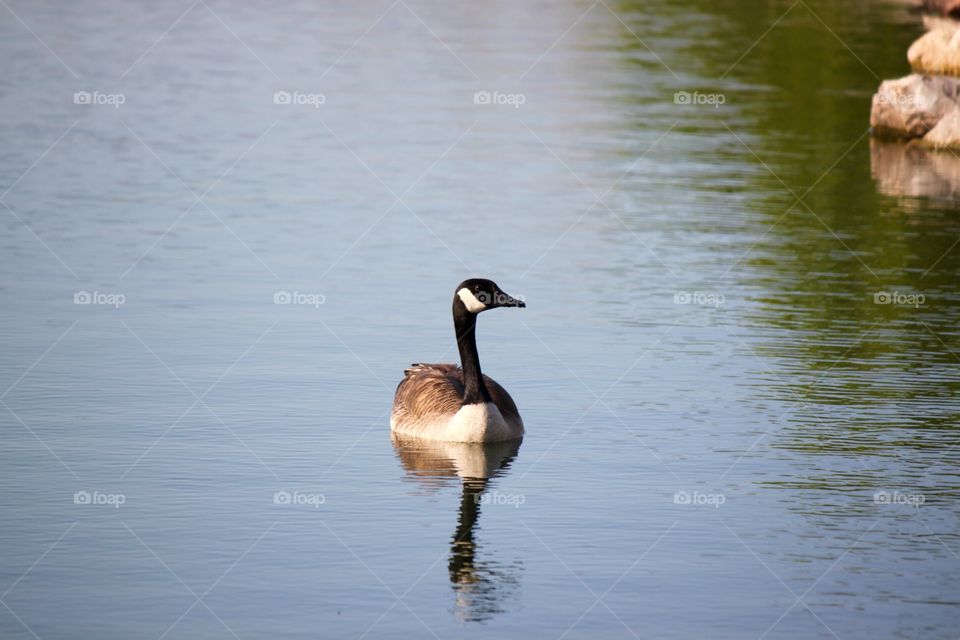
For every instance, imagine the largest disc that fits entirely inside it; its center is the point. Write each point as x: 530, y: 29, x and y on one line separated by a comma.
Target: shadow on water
x: 482, y: 586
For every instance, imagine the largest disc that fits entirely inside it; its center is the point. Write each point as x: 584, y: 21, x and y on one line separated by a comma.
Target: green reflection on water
x: 831, y: 228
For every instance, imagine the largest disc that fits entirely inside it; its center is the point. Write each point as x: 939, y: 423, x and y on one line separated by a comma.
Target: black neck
x: 465, y: 323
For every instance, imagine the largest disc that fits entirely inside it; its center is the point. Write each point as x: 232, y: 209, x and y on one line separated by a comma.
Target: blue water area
x: 228, y: 227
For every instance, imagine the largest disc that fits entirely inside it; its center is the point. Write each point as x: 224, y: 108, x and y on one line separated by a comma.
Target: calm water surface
x: 727, y: 436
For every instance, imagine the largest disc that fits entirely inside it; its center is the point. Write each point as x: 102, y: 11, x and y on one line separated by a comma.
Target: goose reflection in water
x: 481, y: 585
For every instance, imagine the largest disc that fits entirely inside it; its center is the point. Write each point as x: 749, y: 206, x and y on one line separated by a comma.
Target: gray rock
x: 910, y: 107
x: 943, y: 7
x: 938, y: 50
x: 946, y: 135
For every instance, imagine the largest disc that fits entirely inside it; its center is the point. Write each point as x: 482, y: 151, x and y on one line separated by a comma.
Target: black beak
x: 503, y: 300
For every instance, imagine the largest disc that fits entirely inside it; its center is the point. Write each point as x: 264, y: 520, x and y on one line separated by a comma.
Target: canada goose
x: 446, y: 402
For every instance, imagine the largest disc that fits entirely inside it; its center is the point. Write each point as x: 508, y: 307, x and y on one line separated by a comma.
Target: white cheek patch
x: 470, y: 301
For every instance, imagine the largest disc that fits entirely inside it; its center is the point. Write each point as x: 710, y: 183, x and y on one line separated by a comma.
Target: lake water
x: 738, y: 364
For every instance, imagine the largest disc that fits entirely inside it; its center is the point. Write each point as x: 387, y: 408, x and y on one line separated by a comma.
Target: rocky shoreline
x: 925, y: 105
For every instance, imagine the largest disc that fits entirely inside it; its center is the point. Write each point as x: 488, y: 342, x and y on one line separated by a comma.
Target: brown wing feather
x: 431, y: 390
x: 428, y: 391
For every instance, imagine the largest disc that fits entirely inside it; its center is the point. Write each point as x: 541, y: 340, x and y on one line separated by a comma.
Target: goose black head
x: 477, y: 294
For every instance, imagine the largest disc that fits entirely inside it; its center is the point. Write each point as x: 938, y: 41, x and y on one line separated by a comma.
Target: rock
x: 946, y: 135
x: 938, y: 50
x: 943, y: 7
x: 910, y: 107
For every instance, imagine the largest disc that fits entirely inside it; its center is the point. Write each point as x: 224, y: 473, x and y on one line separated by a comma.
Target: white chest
x: 478, y: 423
